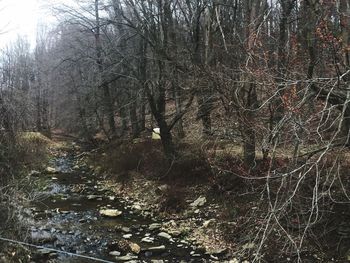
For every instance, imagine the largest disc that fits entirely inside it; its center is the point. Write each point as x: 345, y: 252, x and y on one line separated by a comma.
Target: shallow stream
x: 67, y: 218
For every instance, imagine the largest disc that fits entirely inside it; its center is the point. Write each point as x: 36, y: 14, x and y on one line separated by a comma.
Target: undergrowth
x: 18, y: 155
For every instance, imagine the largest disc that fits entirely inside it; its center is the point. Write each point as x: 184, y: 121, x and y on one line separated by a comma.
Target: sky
x: 21, y: 17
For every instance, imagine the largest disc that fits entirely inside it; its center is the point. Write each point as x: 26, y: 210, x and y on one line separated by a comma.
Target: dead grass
x: 31, y: 148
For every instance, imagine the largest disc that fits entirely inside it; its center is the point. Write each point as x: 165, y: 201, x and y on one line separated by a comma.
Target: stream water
x: 66, y: 217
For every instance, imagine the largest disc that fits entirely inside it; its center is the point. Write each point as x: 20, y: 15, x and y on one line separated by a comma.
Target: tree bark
x: 108, y: 102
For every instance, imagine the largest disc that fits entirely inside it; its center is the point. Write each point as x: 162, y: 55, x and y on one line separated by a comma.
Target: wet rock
x: 164, y: 235
x: 175, y: 233
x: 50, y: 170
x: 110, y: 212
x: 215, y: 258
x: 136, y: 207
x: 147, y: 240
x: 115, y: 253
x: 127, y: 236
x: 157, y: 249
x: 111, y: 198
x: 126, y: 229
x: 200, y: 201
x: 93, y: 197
x: 126, y: 257
x: 135, y: 248
x: 154, y: 226
x: 184, y: 242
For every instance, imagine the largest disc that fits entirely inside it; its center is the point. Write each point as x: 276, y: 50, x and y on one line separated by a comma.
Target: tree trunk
x: 142, y: 112
x: 179, y: 126
x: 249, y: 144
x: 133, y: 118
x: 108, y: 102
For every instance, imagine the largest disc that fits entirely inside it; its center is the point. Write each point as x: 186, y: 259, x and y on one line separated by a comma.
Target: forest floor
x: 121, y: 202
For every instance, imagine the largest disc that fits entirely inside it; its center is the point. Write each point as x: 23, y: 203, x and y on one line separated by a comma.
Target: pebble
x: 115, y: 253
x: 147, y: 239
x: 154, y: 226
x: 199, y: 202
x: 110, y: 212
x: 164, y: 235
x: 126, y: 229
x: 157, y: 249
x: 127, y: 257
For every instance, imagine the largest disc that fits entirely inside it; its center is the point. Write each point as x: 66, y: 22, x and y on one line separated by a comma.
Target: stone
x: 164, y: 235
x: 154, y: 226
x: 200, y: 201
x: 93, y: 197
x: 157, y: 249
x: 115, y: 253
x: 136, y: 207
x: 147, y: 240
x: 127, y: 236
x: 135, y: 248
x: 126, y: 229
x: 110, y: 212
x: 215, y: 258
x: 127, y: 257
x: 50, y: 170
x: 208, y: 223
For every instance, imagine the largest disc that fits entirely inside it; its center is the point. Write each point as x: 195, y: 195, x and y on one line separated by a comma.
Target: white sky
x: 21, y: 17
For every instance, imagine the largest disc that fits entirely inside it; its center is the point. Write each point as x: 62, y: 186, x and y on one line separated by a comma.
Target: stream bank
x: 80, y: 212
